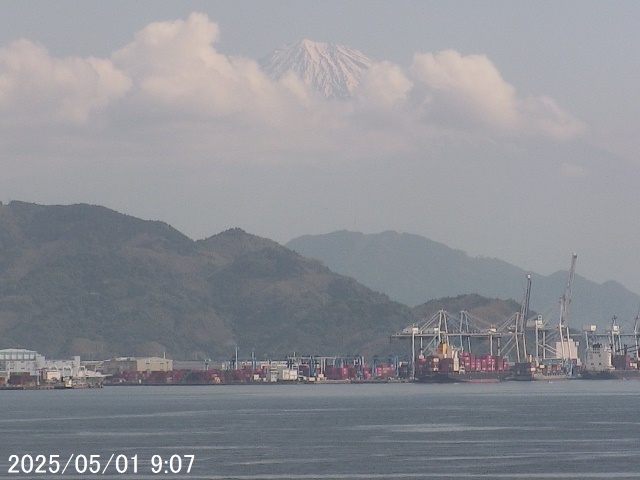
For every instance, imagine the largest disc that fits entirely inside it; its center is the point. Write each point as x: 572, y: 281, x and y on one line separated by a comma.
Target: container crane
x: 614, y: 339
x: 521, y: 325
x: 636, y: 332
x: 565, y: 301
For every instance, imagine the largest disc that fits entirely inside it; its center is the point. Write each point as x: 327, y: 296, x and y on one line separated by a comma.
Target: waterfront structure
x: 136, y: 364
x: 19, y: 366
x: 20, y: 360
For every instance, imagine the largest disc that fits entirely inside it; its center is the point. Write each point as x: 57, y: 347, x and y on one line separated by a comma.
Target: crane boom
x: 636, y: 331
x: 521, y: 324
x: 565, y: 301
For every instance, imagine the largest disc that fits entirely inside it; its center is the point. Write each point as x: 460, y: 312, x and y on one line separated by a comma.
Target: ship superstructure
x: 611, y: 354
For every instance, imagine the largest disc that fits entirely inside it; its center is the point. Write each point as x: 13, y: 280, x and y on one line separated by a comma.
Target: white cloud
x: 37, y: 88
x: 179, y: 75
x: 175, y: 65
x: 171, y: 90
x: 469, y: 90
x: 471, y: 82
x: 384, y: 85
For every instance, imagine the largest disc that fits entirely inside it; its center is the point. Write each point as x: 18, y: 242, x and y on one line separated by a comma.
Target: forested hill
x: 86, y: 280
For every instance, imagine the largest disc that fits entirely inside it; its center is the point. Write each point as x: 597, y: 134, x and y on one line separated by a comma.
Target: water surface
x: 564, y: 429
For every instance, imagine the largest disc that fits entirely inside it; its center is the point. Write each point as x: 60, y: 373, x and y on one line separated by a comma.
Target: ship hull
x: 540, y: 377
x: 469, y: 377
x: 611, y: 375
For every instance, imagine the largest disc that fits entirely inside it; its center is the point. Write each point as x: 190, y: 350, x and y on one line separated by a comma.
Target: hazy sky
x: 505, y: 129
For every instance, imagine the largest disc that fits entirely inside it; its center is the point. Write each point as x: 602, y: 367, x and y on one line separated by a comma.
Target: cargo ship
x: 601, y: 364
x: 535, y: 371
x: 449, y: 365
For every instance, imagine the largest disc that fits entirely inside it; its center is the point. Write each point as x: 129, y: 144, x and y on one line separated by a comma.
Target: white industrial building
x: 19, y: 361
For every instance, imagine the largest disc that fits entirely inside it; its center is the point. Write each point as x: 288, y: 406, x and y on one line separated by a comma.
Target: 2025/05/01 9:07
x: 97, y: 464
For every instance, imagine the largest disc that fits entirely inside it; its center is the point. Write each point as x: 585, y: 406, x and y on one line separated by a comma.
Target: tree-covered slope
x: 86, y: 280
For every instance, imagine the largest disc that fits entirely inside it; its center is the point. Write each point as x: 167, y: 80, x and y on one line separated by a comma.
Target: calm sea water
x: 564, y: 429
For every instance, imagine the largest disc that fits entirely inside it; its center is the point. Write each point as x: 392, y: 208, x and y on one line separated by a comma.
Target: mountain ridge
x: 86, y: 280
x: 413, y: 270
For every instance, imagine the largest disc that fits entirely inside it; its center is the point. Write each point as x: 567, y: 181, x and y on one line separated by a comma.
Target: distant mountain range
x: 331, y: 69
x: 85, y: 280
x: 413, y: 270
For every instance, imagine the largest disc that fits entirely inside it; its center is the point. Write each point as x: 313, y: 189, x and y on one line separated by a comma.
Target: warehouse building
x: 118, y: 365
x: 20, y: 360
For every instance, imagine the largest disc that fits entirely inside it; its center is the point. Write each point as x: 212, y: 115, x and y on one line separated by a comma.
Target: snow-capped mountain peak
x: 332, y: 69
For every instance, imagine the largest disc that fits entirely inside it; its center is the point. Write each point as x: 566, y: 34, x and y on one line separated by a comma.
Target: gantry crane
x: 521, y: 325
x: 565, y: 301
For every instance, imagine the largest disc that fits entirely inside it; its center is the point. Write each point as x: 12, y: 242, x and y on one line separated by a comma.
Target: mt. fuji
x: 333, y: 70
